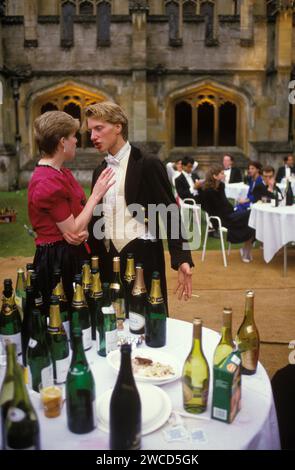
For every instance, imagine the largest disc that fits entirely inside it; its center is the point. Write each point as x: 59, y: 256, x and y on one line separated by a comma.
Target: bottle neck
x: 86, y: 276
x: 8, y: 305
x: 54, y: 317
x: 38, y: 332
x: 249, y: 309
x: 139, y: 285
x: 79, y: 298
x: 197, y: 339
x: 20, y: 391
x: 226, y: 331
x: 96, y: 290
x: 11, y: 360
x: 126, y: 373
x: 156, y: 293
x: 20, y: 282
x: 130, y: 270
x: 78, y: 350
x: 59, y: 291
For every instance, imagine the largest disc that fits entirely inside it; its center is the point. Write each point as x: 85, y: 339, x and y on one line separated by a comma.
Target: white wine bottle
x: 196, y: 374
x: 226, y: 344
x: 248, y: 338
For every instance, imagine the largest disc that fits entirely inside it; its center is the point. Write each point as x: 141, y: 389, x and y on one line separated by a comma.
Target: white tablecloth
x: 255, y: 427
x: 236, y: 190
x: 275, y: 227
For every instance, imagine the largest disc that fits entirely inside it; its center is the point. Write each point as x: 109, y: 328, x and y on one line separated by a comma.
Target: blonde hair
x: 108, y: 112
x: 210, y: 181
x: 50, y: 127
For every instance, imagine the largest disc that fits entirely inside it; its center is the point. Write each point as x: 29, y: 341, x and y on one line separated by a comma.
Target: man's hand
x: 184, y: 288
x: 271, y: 184
x: 75, y: 239
x: 199, y: 184
x: 242, y: 200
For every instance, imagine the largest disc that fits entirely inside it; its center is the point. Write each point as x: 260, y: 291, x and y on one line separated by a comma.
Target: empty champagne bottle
x: 7, y: 389
x: 109, y: 339
x: 80, y: 390
x: 26, y: 329
x: 86, y: 280
x: 40, y: 369
x: 195, y: 374
x: 226, y: 344
x: 63, y: 303
x: 125, y: 407
x: 20, y: 292
x: 58, y: 343
x: 117, y: 294
x: 129, y: 278
x: 248, y: 338
x: 289, y: 194
x: 80, y: 311
x: 10, y: 320
x: 21, y: 427
x: 138, y: 303
x: 155, y: 322
x: 95, y: 303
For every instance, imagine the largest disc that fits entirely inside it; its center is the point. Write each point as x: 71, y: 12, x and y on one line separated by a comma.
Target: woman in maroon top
x: 58, y: 210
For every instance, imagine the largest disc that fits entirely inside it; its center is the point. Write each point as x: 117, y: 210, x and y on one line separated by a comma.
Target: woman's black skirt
x: 58, y: 255
x: 238, y: 228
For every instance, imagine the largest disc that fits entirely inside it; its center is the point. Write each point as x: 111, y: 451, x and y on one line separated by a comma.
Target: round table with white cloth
x: 274, y: 226
x: 236, y: 190
x: 255, y: 426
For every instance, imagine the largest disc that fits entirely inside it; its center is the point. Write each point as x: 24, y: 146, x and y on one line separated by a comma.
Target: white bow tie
x: 112, y: 160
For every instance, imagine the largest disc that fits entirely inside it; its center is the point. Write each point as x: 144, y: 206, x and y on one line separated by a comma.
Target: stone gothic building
x: 196, y: 77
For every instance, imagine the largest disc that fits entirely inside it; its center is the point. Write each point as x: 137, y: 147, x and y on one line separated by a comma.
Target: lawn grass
x: 15, y: 240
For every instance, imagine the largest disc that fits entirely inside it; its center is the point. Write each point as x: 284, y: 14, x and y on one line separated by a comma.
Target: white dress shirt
x: 287, y: 171
x: 189, y: 179
x: 113, y: 161
x: 227, y: 174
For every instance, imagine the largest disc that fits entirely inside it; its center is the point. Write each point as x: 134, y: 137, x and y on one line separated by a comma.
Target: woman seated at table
x: 57, y: 205
x: 254, y: 172
x: 214, y: 202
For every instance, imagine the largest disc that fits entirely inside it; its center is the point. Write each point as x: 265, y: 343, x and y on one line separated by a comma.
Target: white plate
x: 114, y: 359
x: 156, y: 408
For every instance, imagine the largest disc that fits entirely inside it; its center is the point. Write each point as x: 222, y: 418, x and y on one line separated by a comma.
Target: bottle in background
x: 26, y: 329
x: 58, y: 343
x: 20, y: 292
x: 125, y: 407
x: 63, y: 303
x: 247, y: 338
x: 155, y: 322
x: 138, y: 303
x: 117, y: 294
x: 226, y: 344
x: 95, y: 303
x: 289, y: 194
x: 196, y: 374
x: 10, y: 320
x: 30, y: 270
x: 7, y: 389
x: 86, y: 280
x: 129, y: 278
x: 95, y: 263
x: 21, y: 427
x: 80, y: 313
x: 80, y: 390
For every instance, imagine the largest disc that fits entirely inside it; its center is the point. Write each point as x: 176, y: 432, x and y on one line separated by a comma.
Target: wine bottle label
x: 66, y: 325
x: 155, y: 300
x: 15, y: 415
x: 115, y: 286
x: 16, y: 339
x: 129, y: 278
x: 111, y: 340
x: 53, y: 329
x: 193, y: 393
x: 136, y: 321
x: 87, y: 340
x: 32, y: 343
x: 39, y: 301
x: 47, y: 376
x: 250, y: 359
x: 62, y: 367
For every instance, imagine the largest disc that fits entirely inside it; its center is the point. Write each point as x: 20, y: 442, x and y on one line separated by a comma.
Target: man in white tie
x: 142, y: 180
x: 231, y: 173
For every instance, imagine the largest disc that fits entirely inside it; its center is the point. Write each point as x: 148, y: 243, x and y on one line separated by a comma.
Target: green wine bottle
x: 21, y: 427
x: 26, y: 329
x: 86, y: 280
x: 10, y: 320
x: 195, y: 374
x: 80, y: 310
x: 63, y: 303
x: 58, y: 343
x: 38, y: 299
x: 30, y: 270
x: 226, y: 344
x: 129, y: 278
x: 39, y: 360
x: 155, y: 322
x: 138, y: 303
x: 80, y: 390
x: 247, y: 338
x: 117, y: 294
x: 20, y: 292
x: 95, y: 304
x: 7, y: 389
x: 109, y: 339
x: 125, y: 407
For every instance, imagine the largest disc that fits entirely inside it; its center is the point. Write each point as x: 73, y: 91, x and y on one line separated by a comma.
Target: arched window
x: 68, y: 11
x: 86, y: 8
x: 189, y: 8
x: 103, y: 21
x: 48, y: 107
x: 183, y: 124
x: 227, y: 124
x: 75, y: 111
x: 205, y: 133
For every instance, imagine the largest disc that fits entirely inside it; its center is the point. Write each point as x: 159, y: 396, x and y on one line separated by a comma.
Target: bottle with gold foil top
x: 58, y: 343
x: 247, y: 338
x: 30, y: 270
x: 95, y: 263
x: 196, y: 374
x: 226, y: 345
x: 63, y: 303
x: 117, y: 294
x: 129, y: 278
x: 7, y: 389
x: 155, y: 322
x: 95, y: 305
x: 138, y: 303
x: 10, y: 321
x: 20, y: 292
x: 86, y: 279
x: 80, y: 313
